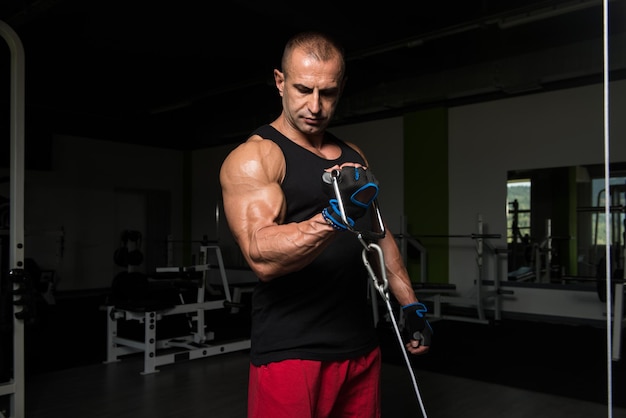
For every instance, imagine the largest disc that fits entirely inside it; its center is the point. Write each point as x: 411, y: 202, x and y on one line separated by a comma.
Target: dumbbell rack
x: 170, y: 350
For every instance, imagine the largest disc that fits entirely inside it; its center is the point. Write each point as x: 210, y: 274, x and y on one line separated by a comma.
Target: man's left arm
x: 397, y: 274
x: 400, y: 285
x: 402, y: 289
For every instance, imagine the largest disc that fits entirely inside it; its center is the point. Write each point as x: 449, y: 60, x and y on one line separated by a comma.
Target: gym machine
x: 198, y: 343
x: 13, y: 388
x: 440, y: 294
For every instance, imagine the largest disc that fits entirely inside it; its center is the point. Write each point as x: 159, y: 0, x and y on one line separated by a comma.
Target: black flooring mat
x: 565, y: 360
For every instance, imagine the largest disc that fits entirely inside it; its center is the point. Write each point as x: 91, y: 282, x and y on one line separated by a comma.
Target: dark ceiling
x: 190, y: 74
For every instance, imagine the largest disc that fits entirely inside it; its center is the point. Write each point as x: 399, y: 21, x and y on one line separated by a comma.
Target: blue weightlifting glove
x: 415, y: 323
x: 358, y: 188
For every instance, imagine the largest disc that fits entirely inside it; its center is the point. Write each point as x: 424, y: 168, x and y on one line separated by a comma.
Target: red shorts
x: 314, y: 389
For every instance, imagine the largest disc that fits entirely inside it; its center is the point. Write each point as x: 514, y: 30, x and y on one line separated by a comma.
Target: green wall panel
x: 426, y: 190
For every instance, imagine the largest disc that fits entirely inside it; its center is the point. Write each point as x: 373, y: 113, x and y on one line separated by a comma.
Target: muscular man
x: 314, y: 348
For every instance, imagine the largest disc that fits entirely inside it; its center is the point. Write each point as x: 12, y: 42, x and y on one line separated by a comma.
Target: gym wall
x: 95, y: 190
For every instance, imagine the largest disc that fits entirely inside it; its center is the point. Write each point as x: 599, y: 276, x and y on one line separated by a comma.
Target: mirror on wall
x: 556, y: 224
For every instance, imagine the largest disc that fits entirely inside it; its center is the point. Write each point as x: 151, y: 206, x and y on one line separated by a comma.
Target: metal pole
x: 15, y: 388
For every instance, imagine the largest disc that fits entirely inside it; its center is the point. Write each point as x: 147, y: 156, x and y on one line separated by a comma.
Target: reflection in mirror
x: 556, y: 224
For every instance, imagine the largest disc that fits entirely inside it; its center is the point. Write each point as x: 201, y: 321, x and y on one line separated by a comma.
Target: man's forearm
x: 280, y: 249
x: 397, y: 275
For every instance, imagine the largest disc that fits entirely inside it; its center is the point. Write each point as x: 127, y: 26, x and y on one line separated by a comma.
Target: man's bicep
x: 251, y: 201
x: 252, y: 197
x: 254, y: 207
x: 251, y: 210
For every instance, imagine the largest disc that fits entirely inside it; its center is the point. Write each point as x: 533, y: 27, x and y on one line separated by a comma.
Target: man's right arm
x: 254, y: 206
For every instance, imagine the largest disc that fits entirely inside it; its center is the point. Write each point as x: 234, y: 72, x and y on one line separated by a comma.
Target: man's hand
x: 416, y: 325
x: 358, y: 188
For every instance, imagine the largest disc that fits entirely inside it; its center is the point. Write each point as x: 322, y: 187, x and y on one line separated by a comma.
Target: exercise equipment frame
x: 170, y: 350
x: 15, y: 387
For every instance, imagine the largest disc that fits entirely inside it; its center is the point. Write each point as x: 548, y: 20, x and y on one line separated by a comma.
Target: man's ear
x: 279, y: 81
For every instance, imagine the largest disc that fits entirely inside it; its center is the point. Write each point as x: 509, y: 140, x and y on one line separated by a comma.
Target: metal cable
x: 381, y: 285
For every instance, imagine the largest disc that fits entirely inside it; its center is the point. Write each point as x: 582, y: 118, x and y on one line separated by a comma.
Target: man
x: 314, y: 348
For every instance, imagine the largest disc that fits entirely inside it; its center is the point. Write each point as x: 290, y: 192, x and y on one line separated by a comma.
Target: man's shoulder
x: 254, y: 157
x: 254, y: 145
x: 350, y: 146
x: 345, y: 142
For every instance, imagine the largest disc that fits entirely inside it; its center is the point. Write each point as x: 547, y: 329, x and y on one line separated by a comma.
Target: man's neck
x: 309, y: 141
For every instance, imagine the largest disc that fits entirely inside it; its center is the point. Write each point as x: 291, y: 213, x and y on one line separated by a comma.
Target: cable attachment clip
x: 362, y: 193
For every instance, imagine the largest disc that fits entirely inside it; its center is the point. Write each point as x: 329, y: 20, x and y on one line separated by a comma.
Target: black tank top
x: 320, y: 312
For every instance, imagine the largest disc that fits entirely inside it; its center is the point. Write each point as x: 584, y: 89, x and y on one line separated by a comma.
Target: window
x: 518, y: 210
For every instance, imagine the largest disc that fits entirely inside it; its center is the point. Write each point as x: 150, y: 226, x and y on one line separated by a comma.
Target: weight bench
x: 241, y: 280
x: 157, y: 301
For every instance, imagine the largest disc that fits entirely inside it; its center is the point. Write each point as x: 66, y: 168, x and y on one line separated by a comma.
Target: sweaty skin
x: 252, y: 174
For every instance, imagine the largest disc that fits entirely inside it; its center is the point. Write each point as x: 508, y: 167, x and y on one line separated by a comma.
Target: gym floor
x: 216, y: 387
x: 511, y: 369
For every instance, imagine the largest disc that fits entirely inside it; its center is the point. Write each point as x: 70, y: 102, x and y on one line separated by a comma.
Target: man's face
x: 310, y: 90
